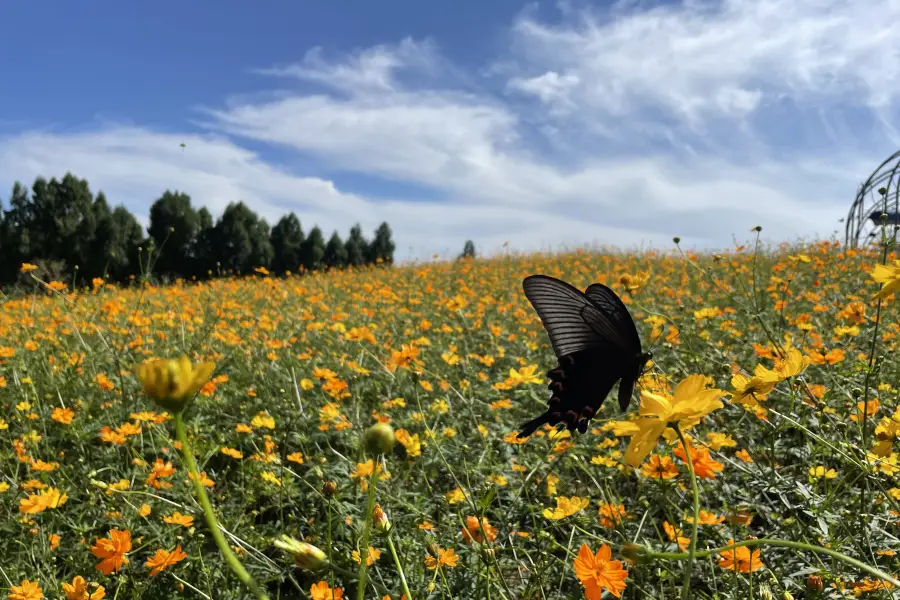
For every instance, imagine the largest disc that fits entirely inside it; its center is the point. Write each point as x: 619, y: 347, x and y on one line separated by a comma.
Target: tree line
x: 63, y: 228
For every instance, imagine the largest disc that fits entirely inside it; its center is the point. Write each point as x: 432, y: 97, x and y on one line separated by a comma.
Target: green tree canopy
x: 287, y: 244
x: 382, y: 246
x: 242, y: 240
x: 173, y: 228
x: 335, y: 252
x: 313, y: 251
x: 357, y: 247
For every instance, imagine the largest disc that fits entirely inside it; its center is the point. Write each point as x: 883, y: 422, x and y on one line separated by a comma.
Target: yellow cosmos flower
x: 691, y: 401
x: 566, y: 507
x: 171, y: 383
x: 889, y: 277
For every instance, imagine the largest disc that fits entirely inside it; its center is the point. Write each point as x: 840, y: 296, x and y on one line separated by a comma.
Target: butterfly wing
x: 626, y: 389
x: 578, y: 389
x: 625, y: 332
x: 569, y: 317
x: 621, y: 326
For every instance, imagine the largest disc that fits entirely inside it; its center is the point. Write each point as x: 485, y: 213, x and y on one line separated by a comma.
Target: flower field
x: 767, y: 420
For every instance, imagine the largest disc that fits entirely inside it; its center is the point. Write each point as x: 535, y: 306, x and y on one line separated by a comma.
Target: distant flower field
x: 758, y: 458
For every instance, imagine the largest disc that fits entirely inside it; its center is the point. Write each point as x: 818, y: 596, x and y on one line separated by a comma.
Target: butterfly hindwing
x: 578, y: 389
x: 626, y: 389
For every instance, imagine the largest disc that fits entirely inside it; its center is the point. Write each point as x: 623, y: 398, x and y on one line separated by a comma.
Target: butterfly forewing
x: 561, y: 308
x: 612, y: 306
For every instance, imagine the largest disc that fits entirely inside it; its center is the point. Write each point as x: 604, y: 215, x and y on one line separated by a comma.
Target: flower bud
x: 379, y: 438
x: 329, y: 489
x: 636, y: 554
x: 380, y: 520
x: 306, y: 556
x: 814, y: 584
x: 676, y: 239
x: 787, y: 596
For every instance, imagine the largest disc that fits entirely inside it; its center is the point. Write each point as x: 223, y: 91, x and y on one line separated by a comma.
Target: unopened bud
x: 814, y: 583
x: 787, y: 596
x: 636, y: 554
x: 676, y: 239
x: 379, y: 439
x: 329, y: 489
x: 306, y: 556
x: 380, y: 520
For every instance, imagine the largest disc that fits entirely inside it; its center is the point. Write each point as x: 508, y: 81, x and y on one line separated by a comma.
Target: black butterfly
x: 596, y: 344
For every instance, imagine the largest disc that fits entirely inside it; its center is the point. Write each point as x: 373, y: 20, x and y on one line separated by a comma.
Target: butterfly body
x: 596, y: 344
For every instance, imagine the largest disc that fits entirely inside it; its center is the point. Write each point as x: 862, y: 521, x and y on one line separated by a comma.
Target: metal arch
x: 870, y: 203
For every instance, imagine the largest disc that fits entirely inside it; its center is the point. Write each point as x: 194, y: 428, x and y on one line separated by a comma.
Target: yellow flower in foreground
x: 78, y: 590
x: 889, y: 277
x: 172, y: 382
x: 29, y: 590
x: 566, y: 507
x: 691, y: 401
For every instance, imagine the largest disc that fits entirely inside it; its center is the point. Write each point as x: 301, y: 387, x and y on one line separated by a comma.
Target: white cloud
x: 697, y: 60
x: 654, y: 123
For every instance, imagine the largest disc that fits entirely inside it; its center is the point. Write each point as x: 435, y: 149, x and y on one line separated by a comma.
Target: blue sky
x: 543, y: 124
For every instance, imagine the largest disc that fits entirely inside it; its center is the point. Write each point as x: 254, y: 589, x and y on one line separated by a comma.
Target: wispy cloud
x: 628, y: 126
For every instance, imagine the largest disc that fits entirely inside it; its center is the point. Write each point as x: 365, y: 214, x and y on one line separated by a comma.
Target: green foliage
x: 357, y: 247
x: 468, y: 250
x: 242, y: 240
x: 313, y: 250
x: 287, y: 244
x: 173, y: 226
x: 382, y: 247
x: 335, y: 252
x: 73, y: 236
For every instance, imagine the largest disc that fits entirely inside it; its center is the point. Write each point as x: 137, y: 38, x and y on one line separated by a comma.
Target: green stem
x: 692, y: 549
x: 233, y: 563
x: 390, y: 541
x: 784, y: 544
x: 367, y: 532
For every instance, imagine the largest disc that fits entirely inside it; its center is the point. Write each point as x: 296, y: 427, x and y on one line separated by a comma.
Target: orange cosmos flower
x: 322, y: 591
x: 740, y: 559
x: 478, y: 530
x: 28, y: 590
x: 112, y: 550
x: 597, y: 572
x: 445, y: 558
x: 164, y: 559
x: 78, y: 590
